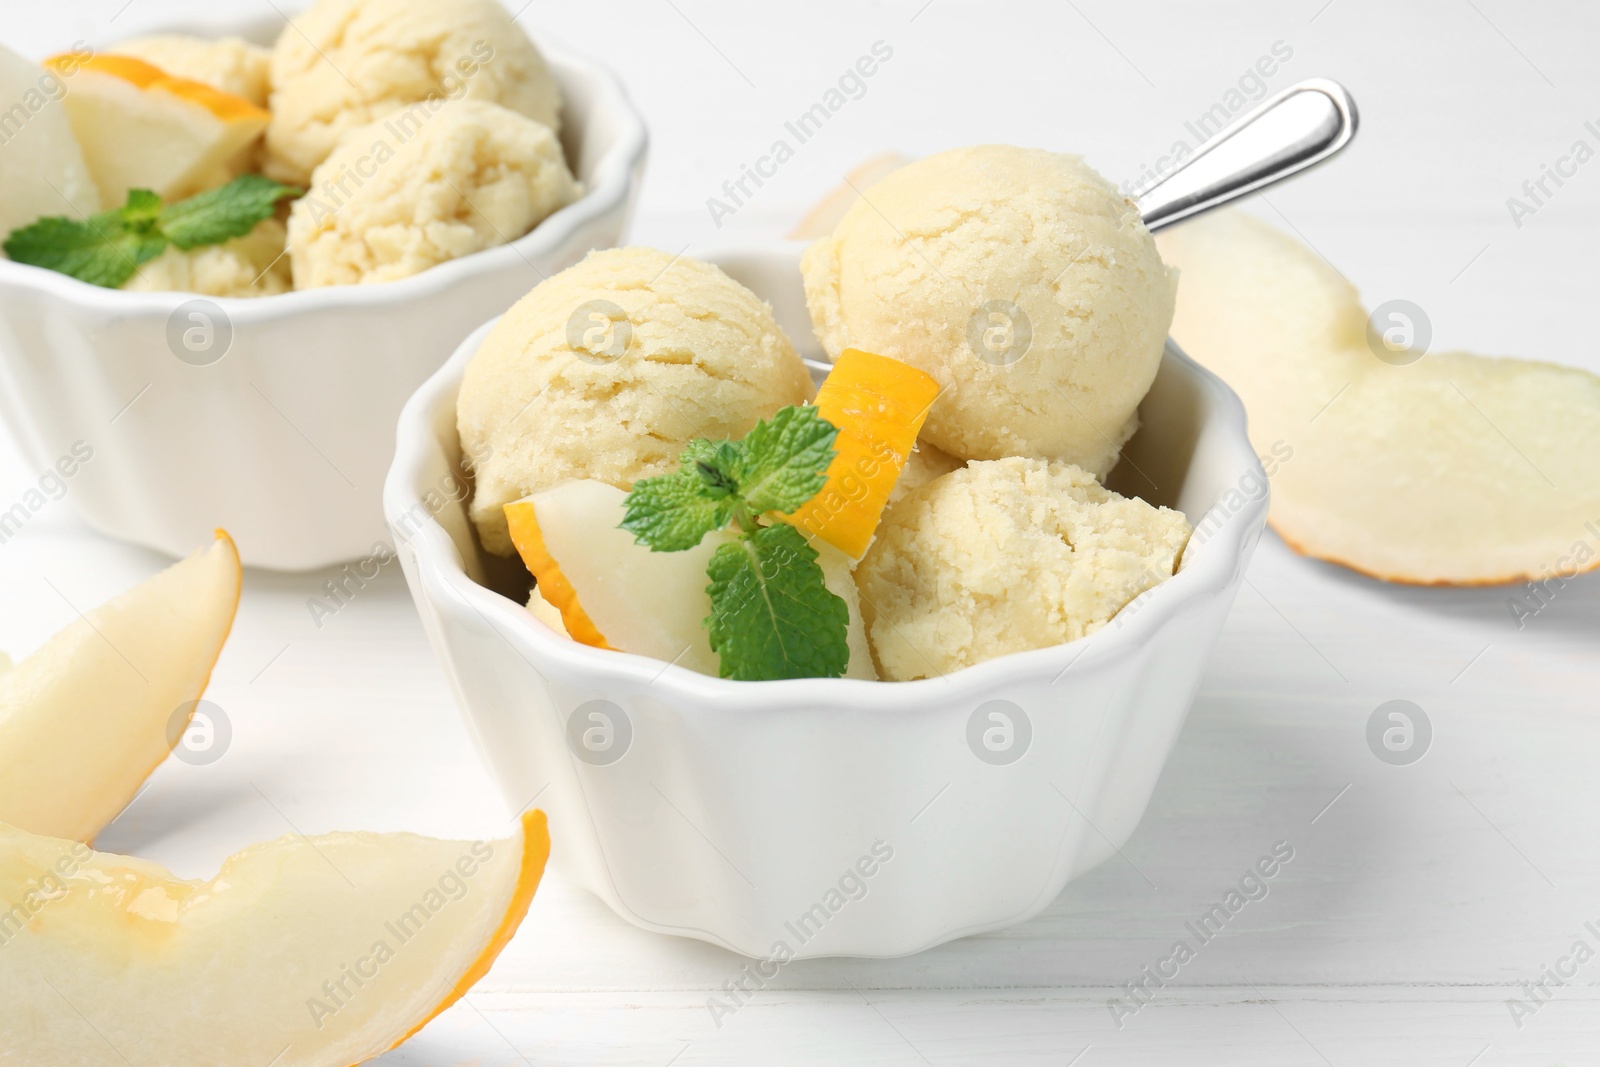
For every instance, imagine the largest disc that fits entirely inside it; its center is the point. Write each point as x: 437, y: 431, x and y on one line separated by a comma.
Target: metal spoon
x: 1291, y: 132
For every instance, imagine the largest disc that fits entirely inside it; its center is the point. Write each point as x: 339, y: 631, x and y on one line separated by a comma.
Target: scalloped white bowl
x: 732, y: 811
x: 284, y: 437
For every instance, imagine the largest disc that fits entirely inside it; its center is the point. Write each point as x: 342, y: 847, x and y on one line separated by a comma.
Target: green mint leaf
x: 104, y: 249
x: 675, y: 511
x: 786, y: 460
x: 223, y: 213
x: 772, y: 614
x: 142, y: 210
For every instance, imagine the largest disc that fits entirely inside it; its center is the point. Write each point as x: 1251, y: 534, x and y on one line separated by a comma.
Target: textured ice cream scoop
x: 1004, y: 556
x: 252, y: 265
x: 231, y: 64
x: 1020, y: 279
x: 419, y: 187
x: 343, y: 63
x: 607, y: 369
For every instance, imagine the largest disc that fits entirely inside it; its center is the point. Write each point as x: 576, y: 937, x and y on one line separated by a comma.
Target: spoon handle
x: 1293, y: 131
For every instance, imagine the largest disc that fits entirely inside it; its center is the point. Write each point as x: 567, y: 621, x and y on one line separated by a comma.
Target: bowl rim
x: 439, y: 569
x: 612, y: 186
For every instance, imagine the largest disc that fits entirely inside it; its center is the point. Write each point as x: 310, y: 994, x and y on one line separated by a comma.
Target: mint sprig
x: 106, y: 249
x: 772, y: 614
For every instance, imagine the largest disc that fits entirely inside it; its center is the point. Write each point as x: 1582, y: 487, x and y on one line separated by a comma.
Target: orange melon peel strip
x: 879, y: 405
x: 557, y: 590
x: 535, y: 853
x: 137, y: 72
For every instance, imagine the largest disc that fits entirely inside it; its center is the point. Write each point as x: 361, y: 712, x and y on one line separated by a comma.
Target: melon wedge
x: 612, y: 592
x: 142, y: 128
x: 42, y: 169
x: 86, y: 718
x: 231, y: 64
x: 546, y: 612
x: 301, y: 952
x: 1455, y: 469
x: 878, y: 405
x: 839, y: 574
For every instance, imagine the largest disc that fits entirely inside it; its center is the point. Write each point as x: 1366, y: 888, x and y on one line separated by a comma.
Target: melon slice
x: 42, y: 169
x: 142, y: 128
x: 878, y: 405
x: 86, y: 718
x: 1454, y: 469
x: 231, y: 64
x: 301, y: 952
x: 838, y: 573
x: 546, y: 612
x: 612, y: 592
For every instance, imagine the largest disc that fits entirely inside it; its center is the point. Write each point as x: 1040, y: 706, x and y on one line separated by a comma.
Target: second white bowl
x: 272, y: 417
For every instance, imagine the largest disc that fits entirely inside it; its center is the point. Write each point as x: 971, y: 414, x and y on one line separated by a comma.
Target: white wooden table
x: 1420, y: 897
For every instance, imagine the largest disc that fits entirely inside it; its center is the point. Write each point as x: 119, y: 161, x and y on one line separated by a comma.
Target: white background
x: 1415, y: 903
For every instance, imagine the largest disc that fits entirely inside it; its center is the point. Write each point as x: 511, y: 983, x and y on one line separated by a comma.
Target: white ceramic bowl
x: 276, y: 425
x: 728, y: 811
